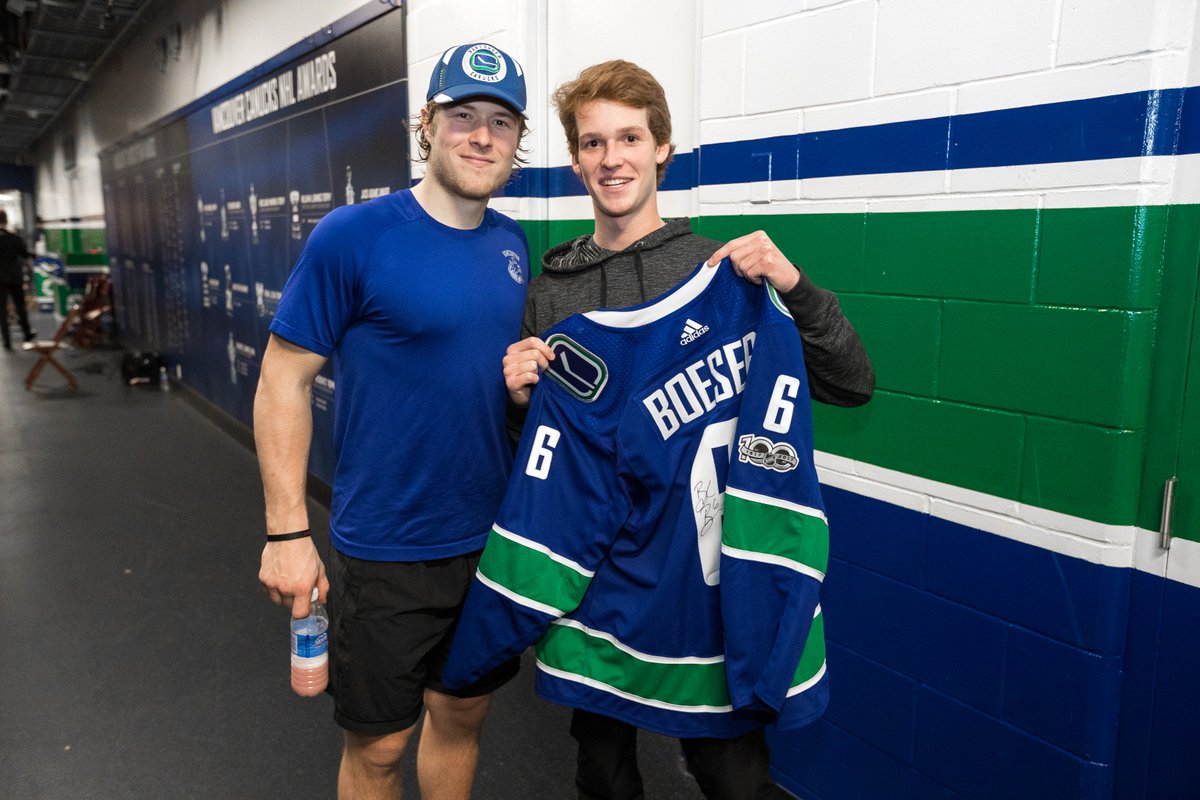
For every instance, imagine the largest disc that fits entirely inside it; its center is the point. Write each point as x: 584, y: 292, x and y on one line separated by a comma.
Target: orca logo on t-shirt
x: 514, y: 266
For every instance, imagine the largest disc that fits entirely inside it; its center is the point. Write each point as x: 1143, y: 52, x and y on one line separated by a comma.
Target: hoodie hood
x: 583, y: 254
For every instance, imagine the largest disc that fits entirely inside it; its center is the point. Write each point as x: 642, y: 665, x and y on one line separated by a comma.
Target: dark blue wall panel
x: 880, y: 536
x: 1137, y: 690
x: 1175, y: 736
x: 877, y: 703
x: 984, y: 758
x: 1066, y: 598
x: 824, y: 762
x: 1065, y: 695
x: 964, y: 664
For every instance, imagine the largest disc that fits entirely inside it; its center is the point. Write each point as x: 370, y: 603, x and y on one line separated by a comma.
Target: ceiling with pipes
x: 48, y: 51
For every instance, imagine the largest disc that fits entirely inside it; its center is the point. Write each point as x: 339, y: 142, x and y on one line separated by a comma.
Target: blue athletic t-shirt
x: 417, y: 317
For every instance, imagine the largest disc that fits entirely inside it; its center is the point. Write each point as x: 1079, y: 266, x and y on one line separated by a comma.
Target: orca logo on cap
x: 484, y: 63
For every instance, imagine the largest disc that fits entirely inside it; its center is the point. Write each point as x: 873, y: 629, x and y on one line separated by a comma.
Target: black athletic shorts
x: 391, y: 624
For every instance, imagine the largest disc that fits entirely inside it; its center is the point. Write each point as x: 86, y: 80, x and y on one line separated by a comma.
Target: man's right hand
x: 289, y: 572
x: 522, y: 363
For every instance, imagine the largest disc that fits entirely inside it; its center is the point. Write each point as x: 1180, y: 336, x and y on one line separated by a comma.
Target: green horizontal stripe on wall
x: 1086, y: 257
x: 78, y: 245
x: 1026, y: 354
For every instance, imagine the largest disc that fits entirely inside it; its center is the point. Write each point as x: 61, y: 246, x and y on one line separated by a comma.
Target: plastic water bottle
x: 310, y: 651
x: 164, y: 381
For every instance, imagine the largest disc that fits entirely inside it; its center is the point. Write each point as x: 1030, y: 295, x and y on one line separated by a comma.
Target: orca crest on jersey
x: 577, y: 369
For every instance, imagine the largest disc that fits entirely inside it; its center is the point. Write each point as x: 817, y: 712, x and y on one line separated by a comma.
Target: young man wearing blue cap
x: 416, y: 296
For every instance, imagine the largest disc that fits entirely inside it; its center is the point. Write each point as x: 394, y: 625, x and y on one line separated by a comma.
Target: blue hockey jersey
x: 662, y: 538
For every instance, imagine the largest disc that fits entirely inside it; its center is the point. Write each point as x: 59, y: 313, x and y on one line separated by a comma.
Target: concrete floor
x: 141, y: 659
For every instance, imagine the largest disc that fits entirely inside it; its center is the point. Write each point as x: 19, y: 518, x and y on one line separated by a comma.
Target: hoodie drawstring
x: 637, y: 263
x: 603, y: 287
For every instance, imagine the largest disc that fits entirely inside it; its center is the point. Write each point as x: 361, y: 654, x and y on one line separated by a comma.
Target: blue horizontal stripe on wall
x: 1150, y: 123
x: 561, y: 181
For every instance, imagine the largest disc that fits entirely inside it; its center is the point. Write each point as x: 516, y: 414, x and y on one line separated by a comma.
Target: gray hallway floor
x: 140, y: 657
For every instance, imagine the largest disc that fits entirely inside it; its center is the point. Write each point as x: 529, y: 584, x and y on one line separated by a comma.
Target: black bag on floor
x: 140, y: 367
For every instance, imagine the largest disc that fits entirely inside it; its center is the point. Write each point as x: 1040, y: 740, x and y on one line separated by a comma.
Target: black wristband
x: 287, y: 537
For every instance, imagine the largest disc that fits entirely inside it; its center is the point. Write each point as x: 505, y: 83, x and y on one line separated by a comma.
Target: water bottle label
x: 306, y: 646
x: 310, y: 663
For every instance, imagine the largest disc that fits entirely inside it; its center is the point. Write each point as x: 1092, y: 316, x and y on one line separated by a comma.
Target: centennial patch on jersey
x: 577, y: 369
x: 514, y: 266
x: 762, y: 452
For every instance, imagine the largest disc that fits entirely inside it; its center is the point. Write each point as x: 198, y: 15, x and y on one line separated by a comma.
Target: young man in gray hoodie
x: 618, y: 129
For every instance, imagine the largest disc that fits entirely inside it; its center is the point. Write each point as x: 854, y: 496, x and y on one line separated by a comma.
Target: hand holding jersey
x: 755, y: 257
x: 522, y: 363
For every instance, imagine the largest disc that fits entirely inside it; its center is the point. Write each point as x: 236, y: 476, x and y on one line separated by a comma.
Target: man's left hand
x: 754, y: 257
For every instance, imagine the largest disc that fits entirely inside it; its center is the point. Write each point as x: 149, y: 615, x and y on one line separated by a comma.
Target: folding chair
x: 97, y: 299
x: 47, y: 348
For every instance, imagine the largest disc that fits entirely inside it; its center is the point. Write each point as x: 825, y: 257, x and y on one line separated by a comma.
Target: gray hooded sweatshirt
x: 578, y: 276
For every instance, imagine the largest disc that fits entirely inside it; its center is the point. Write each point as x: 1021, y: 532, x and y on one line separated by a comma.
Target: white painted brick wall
x: 722, y: 76
x: 926, y: 43
x: 1092, y: 30
x: 665, y: 40
x: 812, y: 59
x: 723, y: 15
x: 877, y: 111
x: 434, y: 25
x: 1162, y: 71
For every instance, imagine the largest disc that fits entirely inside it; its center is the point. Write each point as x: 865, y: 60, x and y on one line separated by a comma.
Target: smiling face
x: 472, y: 146
x: 618, y: 163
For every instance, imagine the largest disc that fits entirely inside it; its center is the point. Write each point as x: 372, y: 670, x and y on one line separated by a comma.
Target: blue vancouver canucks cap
x: 478, y: 70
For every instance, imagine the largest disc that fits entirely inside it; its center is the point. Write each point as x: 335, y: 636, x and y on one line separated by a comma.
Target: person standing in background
x: 415, y: 296
x: 13, y: 253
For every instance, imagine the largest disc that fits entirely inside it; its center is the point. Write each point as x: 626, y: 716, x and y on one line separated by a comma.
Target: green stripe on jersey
x: 777, y: 532
x: 569, y: 649
x: 813, y: 657
x: 531, y: 573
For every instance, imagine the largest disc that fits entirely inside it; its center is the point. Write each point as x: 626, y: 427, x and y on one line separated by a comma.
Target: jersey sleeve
x: 775, y: 540
x: 562, y: 508
x: 320, y: 298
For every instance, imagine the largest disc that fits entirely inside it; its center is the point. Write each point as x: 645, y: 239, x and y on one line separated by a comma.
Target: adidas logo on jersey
x: 692, y: 331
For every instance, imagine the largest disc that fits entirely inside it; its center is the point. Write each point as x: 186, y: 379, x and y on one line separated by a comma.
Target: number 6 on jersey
x: 542, y: 452
x: 778, y: 418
